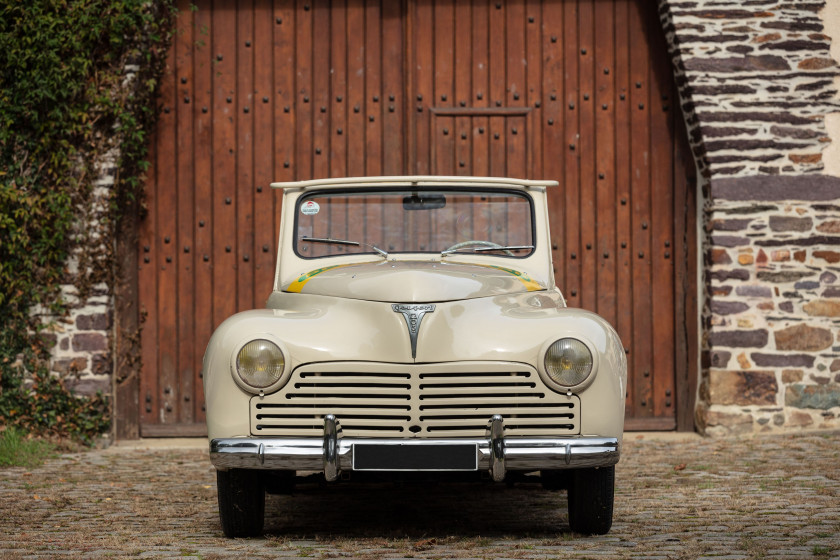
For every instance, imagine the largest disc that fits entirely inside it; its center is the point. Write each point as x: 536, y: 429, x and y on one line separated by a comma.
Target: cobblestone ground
x: 763, y: 497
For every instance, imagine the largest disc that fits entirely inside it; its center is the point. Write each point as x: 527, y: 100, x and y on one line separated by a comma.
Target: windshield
x: 442, y: 221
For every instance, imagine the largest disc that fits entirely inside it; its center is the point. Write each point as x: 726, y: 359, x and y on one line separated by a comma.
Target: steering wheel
x: 479, y: 242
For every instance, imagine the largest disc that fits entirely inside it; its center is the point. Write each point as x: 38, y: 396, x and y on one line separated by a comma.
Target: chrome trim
x: 496, y: 433
x: 413, y: 314
x: 308, y: 454
x: 331, y: 429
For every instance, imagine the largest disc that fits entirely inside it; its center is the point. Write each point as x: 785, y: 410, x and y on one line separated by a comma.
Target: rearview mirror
x: 424, y: 202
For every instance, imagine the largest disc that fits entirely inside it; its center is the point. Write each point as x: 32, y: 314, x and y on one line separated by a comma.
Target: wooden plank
x: 516, y: 89
x: 265, y: 102
x: 651, y: 424
x: 355, y: 94
x: 185, y: 257
x: 533, y: 85
x: 604, y: 108
x: 640, y: 203
x: 571, y: 178
x: 147, y: 288
x: 174, y: 430
x: 551, y: 116
x: 662, y: 219
x: 443, y: 128
x: 321, y: 133
x: 127, y: 347
x: 393, y: 89
x: 304, y: 114
x: 369, y: 108
x: 287, y: 108
x: 685, y: 260
x: 203, y: 222
x: 498, y: 86
x: 166, y: 241
x: 245, y: 100
x: 462, y: 96
x: 586, y: 150
x: 624, y: 276
x: 338, y: 89
x: 480, y: 101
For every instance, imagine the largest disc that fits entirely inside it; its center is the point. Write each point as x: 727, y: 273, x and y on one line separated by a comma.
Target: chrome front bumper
x: 333, y: 453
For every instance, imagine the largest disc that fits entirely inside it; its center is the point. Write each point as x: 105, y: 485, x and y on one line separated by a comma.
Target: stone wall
x: 757, y: 82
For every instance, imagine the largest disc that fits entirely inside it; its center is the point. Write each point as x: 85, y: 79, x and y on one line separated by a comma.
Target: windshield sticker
x: 310, y: 208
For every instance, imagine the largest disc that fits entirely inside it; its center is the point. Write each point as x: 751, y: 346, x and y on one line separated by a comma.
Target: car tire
x: 591, y: 496
x: 241, y: 502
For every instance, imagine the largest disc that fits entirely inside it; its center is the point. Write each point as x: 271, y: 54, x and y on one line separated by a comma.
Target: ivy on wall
x: 65, y: 103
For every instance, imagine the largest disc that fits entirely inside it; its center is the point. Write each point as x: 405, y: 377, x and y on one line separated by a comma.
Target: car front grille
x: 423, y: 400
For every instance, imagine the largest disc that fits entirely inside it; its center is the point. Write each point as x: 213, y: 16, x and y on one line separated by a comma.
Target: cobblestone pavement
x: 763, y: 497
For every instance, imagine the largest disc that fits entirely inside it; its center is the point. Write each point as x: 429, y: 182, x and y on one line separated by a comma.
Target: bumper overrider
x: 334, y: 453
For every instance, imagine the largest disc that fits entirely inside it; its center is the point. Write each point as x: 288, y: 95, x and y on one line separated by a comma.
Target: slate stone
x: 740, y: 116
x: 89, y: 386
x: 808, y: 285
x: 782, y: 360
x: 801, y: 241
x: 754, y: 291
x: 96, y: 322
x: 793, y: 132
x: 814, y: 187
x: 786, y: 306
x: 803, y: 338
x: 739, y: 339
x: 792, y: 25
x: 729, y: 240
x: 783, y: 277
x: 728, y: 307
x: 828, y: 277
x: 831, y: 292
x: 87, y: 342
x: 796, y: 45
x: 821, y: 397
x: 731, y: 225
x: 749, y: 144
x: 723, y: 275
x: 790, y: 223
x: 753, y: 209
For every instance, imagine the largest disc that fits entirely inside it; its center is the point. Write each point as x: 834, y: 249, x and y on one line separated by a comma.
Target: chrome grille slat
x: 441, y: 400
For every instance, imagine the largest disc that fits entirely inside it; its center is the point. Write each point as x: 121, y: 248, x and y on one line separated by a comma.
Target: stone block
x: 724, y: 275
x: 745, y: 259
x: 786, y: 306
x: 739, y: 339
x: 798, y: 419
x: 782, y: 360
x: 742, y: 388
x: 717, y: 255
x: 831, y: 257
x: 754, y: 291
x: 821, y: 397
x: 728, y: 307
x: 828, y: 277
x: 89, y: 385
x: 737, y: 64
x: 780, y: 256
x: 96, y: 322
x: 792, y: 376
x: 829, y: 226
x: 69, y: 365
x: 89, y: 342
x: 803, y: 338
x: 816, y: 63
x: 783, y: 277
x: 823, y: 308
x: 730, y: 240
x: 776, y: 187
x: 735, y: 423
x: 831, y: 292
x: 100, y: 364
x: 835, y: 365
x: 717, y: 358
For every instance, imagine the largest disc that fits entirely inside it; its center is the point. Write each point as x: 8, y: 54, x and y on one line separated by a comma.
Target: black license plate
x: 432, y: 457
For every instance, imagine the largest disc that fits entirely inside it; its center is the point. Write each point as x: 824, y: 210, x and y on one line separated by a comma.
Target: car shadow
x: 388, y: 510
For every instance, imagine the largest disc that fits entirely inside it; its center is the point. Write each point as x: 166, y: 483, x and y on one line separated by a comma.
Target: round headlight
x: 260, y: 363
x: 568, y: 362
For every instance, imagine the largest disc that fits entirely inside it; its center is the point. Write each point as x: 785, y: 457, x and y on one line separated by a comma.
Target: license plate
x: 402, y: 457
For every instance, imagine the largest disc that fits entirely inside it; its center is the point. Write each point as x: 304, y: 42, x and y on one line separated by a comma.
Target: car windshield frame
x: 368, y: 248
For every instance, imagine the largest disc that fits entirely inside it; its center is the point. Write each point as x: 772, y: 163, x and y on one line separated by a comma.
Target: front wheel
x: 241, y: 502
x: 591, y: 496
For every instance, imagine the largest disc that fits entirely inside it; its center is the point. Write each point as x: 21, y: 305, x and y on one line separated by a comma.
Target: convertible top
x: 428, y: 181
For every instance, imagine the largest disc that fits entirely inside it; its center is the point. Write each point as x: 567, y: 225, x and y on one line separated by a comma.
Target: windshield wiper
x: 344, y: 242
x: 493, y: 247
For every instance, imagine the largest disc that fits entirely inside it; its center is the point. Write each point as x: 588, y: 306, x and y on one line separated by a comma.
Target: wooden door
x: 261, y: 90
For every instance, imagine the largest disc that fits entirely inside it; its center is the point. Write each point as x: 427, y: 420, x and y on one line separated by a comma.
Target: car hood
x: 413, y: 281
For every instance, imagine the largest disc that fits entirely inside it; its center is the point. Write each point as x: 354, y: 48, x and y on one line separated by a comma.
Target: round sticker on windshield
x: 309, y: 208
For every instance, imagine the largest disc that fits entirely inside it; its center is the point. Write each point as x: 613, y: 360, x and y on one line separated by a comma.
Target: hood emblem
x: 413, y: 314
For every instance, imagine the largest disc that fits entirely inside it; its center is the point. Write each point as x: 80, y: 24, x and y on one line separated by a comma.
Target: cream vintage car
x: 414, y: 329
